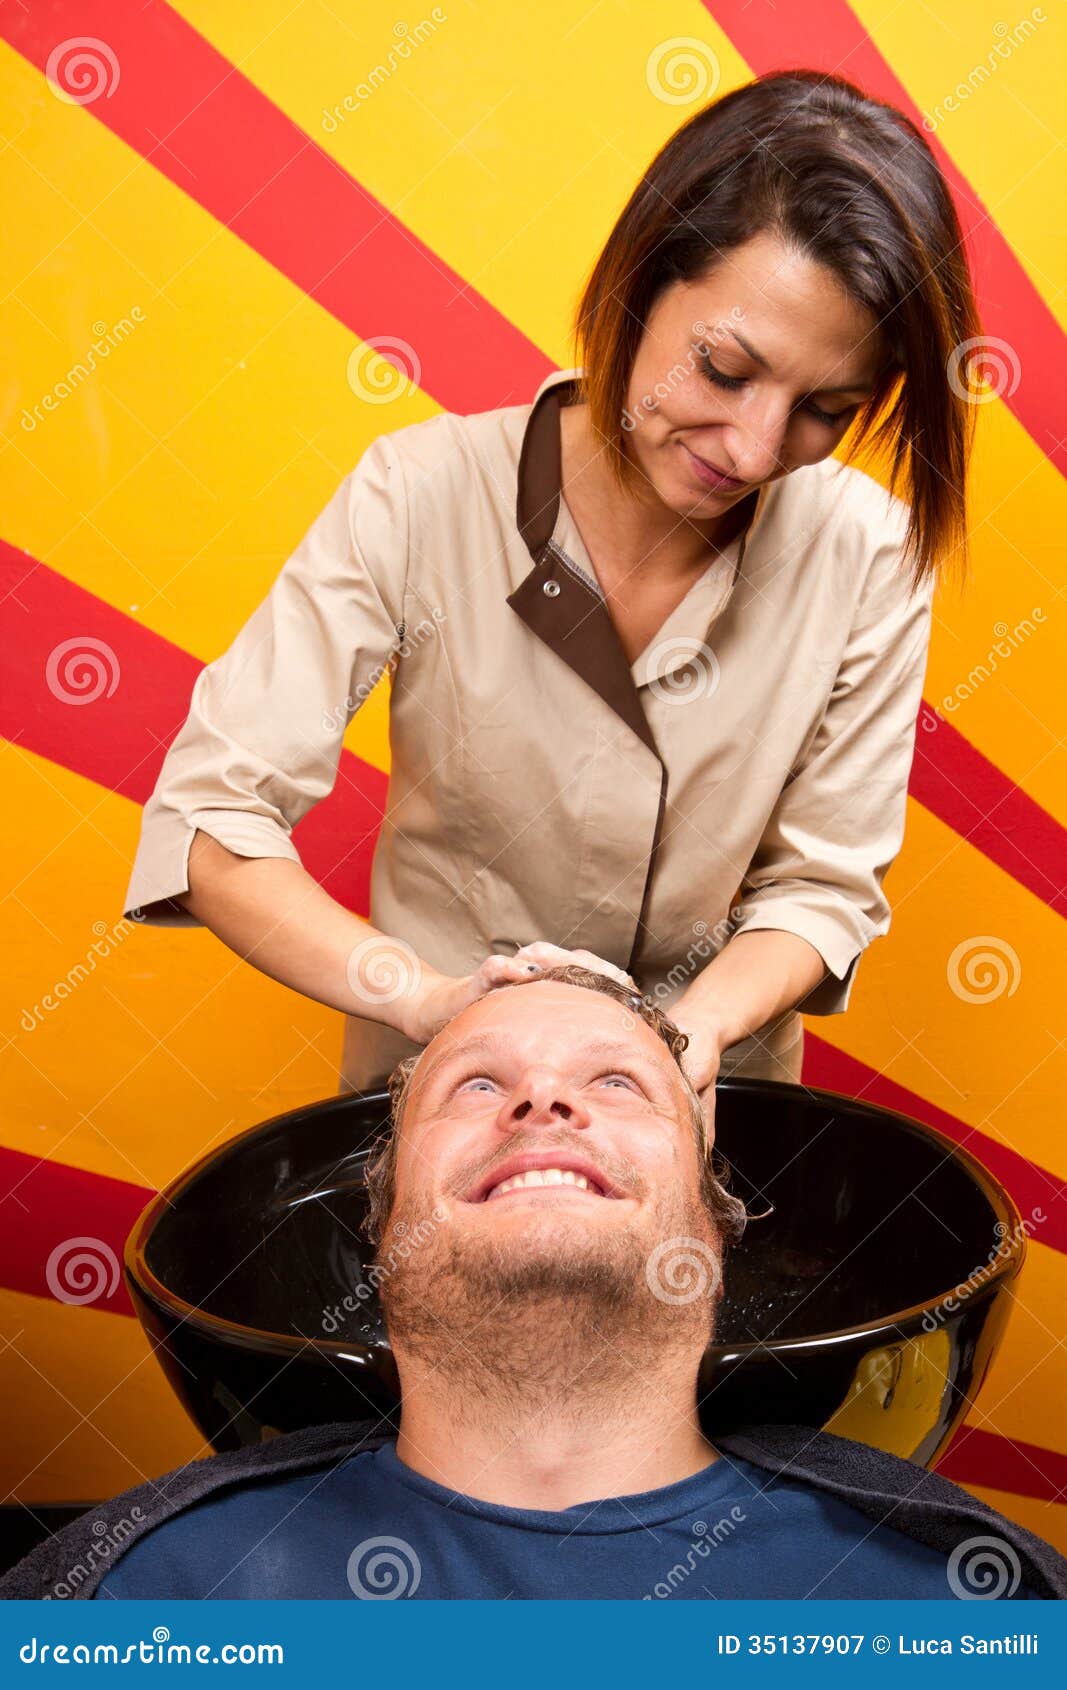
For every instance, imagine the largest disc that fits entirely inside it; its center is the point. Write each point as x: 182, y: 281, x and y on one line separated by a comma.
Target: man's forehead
x: 545, y: 1027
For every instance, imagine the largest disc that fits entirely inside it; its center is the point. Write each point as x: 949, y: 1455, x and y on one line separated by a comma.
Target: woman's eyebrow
x: 845, y: 387
x: 746, y: 346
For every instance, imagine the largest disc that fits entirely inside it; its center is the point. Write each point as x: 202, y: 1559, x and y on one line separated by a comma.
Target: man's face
x: 548, y: 1130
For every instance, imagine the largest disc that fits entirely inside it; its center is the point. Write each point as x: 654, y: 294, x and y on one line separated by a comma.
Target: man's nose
x: 543, y: 1097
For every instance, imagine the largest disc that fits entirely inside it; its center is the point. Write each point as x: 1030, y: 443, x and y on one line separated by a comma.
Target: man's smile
x: 555, y: 1172
x: 543, y: 1179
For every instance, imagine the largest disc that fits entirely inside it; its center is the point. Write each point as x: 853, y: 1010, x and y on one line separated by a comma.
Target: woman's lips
x: 708, y: 475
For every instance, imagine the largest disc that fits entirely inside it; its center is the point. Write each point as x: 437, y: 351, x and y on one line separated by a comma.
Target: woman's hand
x: 554, y: 956
x: 701, y: 1057
x: 438, y: 997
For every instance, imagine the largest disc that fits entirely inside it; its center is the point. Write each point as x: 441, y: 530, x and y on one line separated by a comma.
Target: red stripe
x: 183, y: 106
x: 787, y: 35
x: 1032, y: 1186
x: 967, y: 792
x: 119, y: 740
x: 977, y: 1457
x: 47, y: 1205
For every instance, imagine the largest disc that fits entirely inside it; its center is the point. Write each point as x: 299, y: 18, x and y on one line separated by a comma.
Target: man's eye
x: 476, y: 1081
x: 472, y: 1080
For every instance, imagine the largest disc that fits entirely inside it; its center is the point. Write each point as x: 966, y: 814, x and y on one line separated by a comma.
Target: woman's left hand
x: 546, y: 955
x: 701, y: 1057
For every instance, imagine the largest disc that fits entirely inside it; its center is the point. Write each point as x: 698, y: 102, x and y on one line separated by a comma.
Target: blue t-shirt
x: 373, y: 1528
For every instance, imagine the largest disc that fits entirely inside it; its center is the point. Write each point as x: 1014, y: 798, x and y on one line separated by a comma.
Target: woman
x: 656, y: 655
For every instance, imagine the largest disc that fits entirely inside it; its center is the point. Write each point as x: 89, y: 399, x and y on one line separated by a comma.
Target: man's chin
x: 551, y: 1253
x: 538, y: 1224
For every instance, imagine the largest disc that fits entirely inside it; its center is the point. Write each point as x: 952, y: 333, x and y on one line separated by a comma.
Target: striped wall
x: 241, y: 209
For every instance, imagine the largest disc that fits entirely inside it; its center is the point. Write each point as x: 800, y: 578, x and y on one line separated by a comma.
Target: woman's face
x: 752, y: 371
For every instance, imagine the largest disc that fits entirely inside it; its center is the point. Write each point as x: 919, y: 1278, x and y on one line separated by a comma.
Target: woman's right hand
x: 438, y: 997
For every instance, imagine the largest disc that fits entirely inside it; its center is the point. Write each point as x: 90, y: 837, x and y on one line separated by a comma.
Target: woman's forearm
x: 756, y: 977
x: 277, y: 917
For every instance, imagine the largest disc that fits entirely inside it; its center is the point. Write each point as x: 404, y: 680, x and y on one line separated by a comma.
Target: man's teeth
x: 540, y: 1176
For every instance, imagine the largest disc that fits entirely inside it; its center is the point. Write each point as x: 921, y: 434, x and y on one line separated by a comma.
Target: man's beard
x: 560, y: 1303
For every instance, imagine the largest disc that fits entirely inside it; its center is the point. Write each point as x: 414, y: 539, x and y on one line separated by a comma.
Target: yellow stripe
x: 171, y: 1044
x: 523, y: 133
x: 994, y: 1064
x: 103, y: 1417
x: 1022, y: 1393
x: 997, y: 651
x: 175, y: 483
x: 989, y: 79
x: 171, y: 482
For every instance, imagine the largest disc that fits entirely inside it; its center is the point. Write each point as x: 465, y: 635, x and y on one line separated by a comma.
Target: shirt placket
x: 629, y: 778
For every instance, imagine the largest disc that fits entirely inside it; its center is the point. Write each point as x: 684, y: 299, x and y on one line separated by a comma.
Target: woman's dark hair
x: 853, y: 184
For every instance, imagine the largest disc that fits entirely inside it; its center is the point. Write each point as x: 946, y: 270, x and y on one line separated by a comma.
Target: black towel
x: 886, y: 1488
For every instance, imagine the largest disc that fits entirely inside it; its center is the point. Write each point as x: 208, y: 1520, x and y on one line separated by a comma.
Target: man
x: 555, y: 1231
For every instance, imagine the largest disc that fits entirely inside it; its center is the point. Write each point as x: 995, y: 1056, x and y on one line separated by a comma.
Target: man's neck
x: 566, y: 1443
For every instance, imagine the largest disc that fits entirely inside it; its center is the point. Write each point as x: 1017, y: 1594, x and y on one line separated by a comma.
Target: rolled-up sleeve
x: 839, y: 822
x: 262, y: 739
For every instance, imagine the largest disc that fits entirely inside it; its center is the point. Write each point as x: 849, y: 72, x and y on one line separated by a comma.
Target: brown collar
x: 557, y: 600
x: 564, y: 608
x: 569, y: 614
x: 554, y: 601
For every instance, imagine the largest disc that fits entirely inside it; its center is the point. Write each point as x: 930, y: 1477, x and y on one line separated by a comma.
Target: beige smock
x: 748, y: 770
